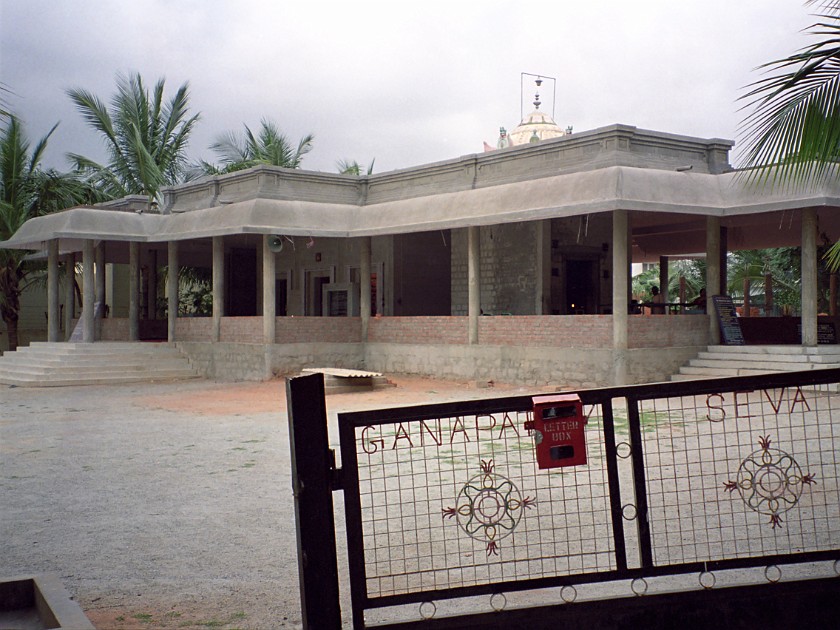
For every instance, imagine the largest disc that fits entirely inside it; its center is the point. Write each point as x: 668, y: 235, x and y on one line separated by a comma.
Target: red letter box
x: 559, y: 424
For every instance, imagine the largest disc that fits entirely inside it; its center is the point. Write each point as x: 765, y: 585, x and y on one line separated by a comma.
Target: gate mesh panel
x: 459, y: 501
x: 741, y: 474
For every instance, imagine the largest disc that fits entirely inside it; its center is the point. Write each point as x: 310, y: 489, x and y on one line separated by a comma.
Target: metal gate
x: 700, y: 484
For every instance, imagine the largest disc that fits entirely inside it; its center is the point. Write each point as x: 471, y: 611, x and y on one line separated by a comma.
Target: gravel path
x: 165, y: 505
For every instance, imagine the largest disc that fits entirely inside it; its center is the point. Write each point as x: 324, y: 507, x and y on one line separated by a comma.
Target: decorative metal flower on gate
x: 769, y: 481
x: 489, y: 507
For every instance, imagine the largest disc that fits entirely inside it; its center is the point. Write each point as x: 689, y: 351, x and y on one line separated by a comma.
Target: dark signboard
x: 730, y: 327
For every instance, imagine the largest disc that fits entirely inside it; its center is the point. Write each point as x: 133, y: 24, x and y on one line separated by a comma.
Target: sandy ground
x: 166, y: 505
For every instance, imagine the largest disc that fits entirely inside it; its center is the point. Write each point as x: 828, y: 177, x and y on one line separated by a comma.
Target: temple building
x: 510, y: 265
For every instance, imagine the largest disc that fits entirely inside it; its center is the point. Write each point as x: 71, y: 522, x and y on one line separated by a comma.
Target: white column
x: 268, y: 290
x: 809, y: 277
x: 620, y: 296
x: 364, y: 289
x: 53, y: 324
x: 89, y: 292
x: 712, y: 275
x: 152, y: 287
x: 100, y: 288
x: 172, y: 288
x: 134, y: 291
x: 69, y: 294
x: 218, y: 285
x: 473, y: 281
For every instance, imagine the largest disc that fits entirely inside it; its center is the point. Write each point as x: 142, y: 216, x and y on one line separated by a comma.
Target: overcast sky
x: 406, y: 83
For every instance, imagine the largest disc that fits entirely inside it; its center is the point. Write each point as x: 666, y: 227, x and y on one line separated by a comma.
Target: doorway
x: 581, y: 286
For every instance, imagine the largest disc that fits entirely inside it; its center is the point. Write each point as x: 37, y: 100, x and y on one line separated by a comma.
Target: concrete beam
x: 53, y: 324
x: 218, y: 286
x: 713, y: 286
x: 620, y: 295
x: 809, y: 277
x: 134, y: 291
x: 89, y: 293
x: 473, y: 282
x: 171, y: 289
x: 364, y: 278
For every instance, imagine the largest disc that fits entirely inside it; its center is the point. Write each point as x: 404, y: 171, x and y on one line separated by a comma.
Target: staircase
x: 43, y: 364
x: 722, y: 361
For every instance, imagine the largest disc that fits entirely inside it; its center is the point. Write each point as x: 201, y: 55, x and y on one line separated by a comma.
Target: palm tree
x: 26, y: 191
x: 146, y: 138
x: 793, y: 132
x: 269, y: 147
x: 792, y: 136
x: 352, y: 167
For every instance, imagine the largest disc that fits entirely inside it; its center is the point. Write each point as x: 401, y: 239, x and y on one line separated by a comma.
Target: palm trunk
x: 12, y: 331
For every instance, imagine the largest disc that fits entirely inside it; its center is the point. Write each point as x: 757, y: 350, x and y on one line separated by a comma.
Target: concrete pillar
x: 268, y: 290
x: 473, y: 282
x: 171, y: 289
x: 89, y: 292
x: 152, y: 287
x: 218, y: 285
x: 134, y: 291
x: 69, y: 294
x: 712, y: 274
x: 620, y: 295
x: 809, y: 277
x: 364, y: 279
x: 99, y: 313
x: 53, y: 324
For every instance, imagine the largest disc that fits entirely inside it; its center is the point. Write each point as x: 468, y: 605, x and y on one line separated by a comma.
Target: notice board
x: 730, y: 327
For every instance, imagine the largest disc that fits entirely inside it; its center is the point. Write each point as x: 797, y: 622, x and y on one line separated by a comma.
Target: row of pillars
x: 94, y: 288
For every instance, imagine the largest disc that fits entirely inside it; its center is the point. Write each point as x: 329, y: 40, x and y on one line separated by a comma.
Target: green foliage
x: 27, y: 191
x: 352, y: 167
x: 267, y: 147
x: 792, y: 134
x: 146, y: 138
x: 692, y: 270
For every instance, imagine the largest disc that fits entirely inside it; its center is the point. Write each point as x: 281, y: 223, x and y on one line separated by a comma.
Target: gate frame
x: 346, y: 479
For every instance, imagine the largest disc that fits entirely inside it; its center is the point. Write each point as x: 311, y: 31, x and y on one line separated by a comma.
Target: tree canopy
x: 268, y: 146
x: 792, y: 132
x: 27, y: 191
x: 145, y: 136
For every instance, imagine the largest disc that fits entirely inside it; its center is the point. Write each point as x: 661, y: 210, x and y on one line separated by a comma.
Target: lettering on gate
x: 435, y: 432
x: 739, y: 403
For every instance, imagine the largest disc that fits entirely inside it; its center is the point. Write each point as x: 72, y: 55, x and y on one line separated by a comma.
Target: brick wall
x: 193, y: 328
x: 508, y: 268
x: 419, y: 330
x: 316, y: 329
x: 659, y: 331
x: 567, y: 331
x: 114, y: 329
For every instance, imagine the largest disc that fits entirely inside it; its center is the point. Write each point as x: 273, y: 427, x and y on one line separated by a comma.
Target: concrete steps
x: 43, y: 364
x: 723, y: 361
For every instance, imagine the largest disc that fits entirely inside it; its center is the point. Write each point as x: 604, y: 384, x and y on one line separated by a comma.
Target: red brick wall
x: 419, y: 330
x: 115, y: 329
x: 657, y: 331
x: 564, y: 331
x: 194, y: 328
x: 311, y: 329
x: 567, y: 331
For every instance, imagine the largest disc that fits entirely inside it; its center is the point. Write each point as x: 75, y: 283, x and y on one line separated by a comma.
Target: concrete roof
x: 670, y: 182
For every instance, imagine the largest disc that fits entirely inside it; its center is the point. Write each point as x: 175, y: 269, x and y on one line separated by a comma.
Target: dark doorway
x: 242, y: 282
x: 318, y: 283
x: 581, y: 287
x: 280, y: 297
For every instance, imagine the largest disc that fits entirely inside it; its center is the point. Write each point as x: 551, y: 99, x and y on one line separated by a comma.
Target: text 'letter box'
x: 559, y: 424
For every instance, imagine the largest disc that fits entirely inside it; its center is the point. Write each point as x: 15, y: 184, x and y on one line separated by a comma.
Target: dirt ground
x: 167, y: 505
